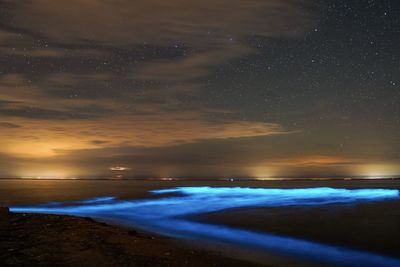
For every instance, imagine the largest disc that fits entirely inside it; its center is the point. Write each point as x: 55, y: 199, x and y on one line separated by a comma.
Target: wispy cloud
x: 196, y: 23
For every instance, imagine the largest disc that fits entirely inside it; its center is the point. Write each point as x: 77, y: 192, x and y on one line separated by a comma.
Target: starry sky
x: 254, y: 88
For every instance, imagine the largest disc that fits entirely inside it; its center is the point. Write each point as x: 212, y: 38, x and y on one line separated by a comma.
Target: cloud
x: 6, y: 36
x: 97, y: 74
x: 243, y: 157
x: 188, y: 68
x: 201, y: 34
x: 146, y: 131
x: 9, y: 125
x: 45, y: 114
x: 98, y: 142
x: 315, y: 160
x: 160, y: 22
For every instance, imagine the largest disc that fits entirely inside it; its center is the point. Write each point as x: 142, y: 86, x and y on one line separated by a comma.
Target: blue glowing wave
x: 168, y: 216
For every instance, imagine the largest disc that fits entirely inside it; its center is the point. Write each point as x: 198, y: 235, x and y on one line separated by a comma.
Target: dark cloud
x: 99, y: 142
x: 158, y: 22
x: 9, y: 125
x: 45, y: 114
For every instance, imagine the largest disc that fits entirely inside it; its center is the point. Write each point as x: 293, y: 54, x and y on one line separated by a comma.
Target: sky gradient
x: 205, y: 88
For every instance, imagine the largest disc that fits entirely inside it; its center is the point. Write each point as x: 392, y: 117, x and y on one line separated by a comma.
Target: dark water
x: 309, y: 215
x: 14, y: 191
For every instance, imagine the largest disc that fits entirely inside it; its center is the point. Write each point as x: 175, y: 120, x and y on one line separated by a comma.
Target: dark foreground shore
x: 53, y: 240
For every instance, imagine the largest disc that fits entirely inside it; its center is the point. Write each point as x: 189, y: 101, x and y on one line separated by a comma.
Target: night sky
x: 259, y: 88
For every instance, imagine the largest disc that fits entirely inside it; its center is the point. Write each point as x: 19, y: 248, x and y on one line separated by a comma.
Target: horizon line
x: 231, y: 178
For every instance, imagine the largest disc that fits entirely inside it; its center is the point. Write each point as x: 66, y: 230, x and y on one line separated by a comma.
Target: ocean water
x: 29, y: 191
x: 180, y: 208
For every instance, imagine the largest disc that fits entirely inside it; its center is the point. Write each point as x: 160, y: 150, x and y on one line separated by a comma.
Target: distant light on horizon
x: 377, y: 171
x: 119, y: 168
x: 48, y: 177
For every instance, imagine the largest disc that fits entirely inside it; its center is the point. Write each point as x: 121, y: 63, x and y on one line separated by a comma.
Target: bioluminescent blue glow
x: 169, y: 216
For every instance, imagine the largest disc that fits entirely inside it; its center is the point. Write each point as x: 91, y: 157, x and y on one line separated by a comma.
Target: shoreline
x: 60, y: 240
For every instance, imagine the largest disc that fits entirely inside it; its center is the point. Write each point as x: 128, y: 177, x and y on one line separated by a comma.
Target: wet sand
x: 52, y: 240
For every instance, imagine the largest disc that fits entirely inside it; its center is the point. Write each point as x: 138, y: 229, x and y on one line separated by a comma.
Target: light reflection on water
x: 169, y: 216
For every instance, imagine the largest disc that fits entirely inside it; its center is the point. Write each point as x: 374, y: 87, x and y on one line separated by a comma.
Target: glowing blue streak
x: 166, y: 216
x: 283, y: 245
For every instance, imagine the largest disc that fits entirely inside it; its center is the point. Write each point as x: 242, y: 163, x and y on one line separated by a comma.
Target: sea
x: 338, y: 222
